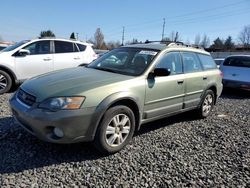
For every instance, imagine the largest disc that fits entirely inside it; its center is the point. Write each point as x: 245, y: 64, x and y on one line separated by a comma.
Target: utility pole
x: 123, y: 30
x: 163, y: 29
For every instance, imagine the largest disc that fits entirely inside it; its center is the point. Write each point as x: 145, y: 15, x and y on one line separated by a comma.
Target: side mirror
x: 23, y: 52
x: 161, y: 72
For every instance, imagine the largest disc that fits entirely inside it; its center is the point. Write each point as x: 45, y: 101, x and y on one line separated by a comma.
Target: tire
x: 207, y: 104
x: 5, y: 82
x: 115, y: 130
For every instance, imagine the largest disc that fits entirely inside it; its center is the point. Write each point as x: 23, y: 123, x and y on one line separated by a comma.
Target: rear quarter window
x: 207, y: 62
x: 81, y: 47
x: 237, y: 62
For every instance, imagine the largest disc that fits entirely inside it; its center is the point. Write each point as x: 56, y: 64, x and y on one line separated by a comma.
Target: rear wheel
x: 5, y: 82
x: 207, y: 104
x: 116, y: 129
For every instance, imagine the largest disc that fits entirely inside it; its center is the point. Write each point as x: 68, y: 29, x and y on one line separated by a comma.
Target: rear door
x: 195, y: 79
x: 165, y: 94
x: 66, y: 55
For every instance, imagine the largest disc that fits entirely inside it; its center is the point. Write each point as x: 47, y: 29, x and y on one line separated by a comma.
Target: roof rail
x: 167, y: 42
x: 175, y: 43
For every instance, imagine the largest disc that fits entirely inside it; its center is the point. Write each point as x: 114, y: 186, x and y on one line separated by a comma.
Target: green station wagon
x: 109, y: 99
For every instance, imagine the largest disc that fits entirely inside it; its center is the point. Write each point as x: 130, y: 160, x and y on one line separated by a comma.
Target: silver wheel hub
x: 207, y: 104
x: 118, y: 130
x: 3, y: 82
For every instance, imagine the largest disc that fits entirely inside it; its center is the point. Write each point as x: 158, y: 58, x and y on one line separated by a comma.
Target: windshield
x: 16, y: 45
x: 128, y: 61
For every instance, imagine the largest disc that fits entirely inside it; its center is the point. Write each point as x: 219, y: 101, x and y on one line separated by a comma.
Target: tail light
x: 221, y: 74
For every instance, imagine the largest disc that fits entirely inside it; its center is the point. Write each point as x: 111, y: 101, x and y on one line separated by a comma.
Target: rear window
x: 237, y: 62
x: 207, y: 62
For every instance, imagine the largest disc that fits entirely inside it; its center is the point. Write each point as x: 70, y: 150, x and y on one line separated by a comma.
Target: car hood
x: 70, y: 82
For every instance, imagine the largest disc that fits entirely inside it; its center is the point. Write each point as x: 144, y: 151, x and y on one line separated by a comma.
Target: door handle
x: 180, y: 81
x: 204, y: 78
x: 47, y: 59
x: 76, y: 58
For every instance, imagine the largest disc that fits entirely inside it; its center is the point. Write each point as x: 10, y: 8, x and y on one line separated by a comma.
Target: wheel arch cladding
x: 121, y: 98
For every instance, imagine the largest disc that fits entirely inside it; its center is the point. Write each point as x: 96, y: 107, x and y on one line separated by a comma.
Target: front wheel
x: 207, y: 104
x: 5, y: 82
x: 116, y: 129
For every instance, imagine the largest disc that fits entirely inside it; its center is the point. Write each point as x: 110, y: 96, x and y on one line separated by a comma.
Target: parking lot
x: 173, y: 152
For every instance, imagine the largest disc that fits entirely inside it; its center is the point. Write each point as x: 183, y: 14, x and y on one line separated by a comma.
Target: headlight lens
x: 62, y: 103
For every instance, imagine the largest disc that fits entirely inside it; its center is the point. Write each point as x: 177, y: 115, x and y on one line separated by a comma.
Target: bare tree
x: 244, y: 36
x: 1, y: 39
x: 174, y: 36
x: 99, y: 38
x: 205, y: 41
x: 197, y: 39
x: 113, y: 44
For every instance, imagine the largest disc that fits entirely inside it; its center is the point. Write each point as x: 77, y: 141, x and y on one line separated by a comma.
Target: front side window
x: 207, y: 62
x: 191, y: 62
x: 64, y: 47
x: 172, y: 62
x: 40, y: 47
x: 237, y: 61
x: 128, y: 61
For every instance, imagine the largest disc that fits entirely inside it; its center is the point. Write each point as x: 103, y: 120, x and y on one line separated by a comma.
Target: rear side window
x: 191, y: 62
x: 64, y: 47
x: 207, y: 62
x: 81, y: 47
x: 237, y: 62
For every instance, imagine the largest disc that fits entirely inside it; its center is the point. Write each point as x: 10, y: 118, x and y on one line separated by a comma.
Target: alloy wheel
x: 207, y: 104
x: 118, y: 130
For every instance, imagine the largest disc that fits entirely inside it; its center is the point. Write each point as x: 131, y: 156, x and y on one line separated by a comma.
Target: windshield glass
x: 128, y: 61
x: 16, y: 45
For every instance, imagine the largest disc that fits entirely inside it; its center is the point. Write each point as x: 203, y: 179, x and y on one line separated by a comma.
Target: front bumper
x: 236, y: 84
x: 76, y: 125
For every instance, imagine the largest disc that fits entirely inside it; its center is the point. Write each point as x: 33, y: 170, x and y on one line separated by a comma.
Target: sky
x: 141, y: 19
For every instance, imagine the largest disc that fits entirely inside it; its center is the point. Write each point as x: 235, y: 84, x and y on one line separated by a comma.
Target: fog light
x: 58, y: 132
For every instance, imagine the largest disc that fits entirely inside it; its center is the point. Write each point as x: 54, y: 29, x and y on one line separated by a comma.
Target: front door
x: 39, y: 61
x: 165, y: 94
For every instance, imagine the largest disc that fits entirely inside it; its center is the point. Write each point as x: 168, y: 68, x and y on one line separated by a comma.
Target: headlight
x: 62, y: 103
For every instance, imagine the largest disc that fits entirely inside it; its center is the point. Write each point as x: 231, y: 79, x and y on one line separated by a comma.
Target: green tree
x: 218, y: 44
x: 228, y: 44
x: 47, y: 33
x: 72, y: 36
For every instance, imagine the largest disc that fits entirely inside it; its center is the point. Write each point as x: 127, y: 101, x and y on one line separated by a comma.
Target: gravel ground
x: 180, y: 151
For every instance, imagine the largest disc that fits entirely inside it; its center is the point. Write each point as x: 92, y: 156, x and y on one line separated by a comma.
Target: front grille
x: 25, y: 97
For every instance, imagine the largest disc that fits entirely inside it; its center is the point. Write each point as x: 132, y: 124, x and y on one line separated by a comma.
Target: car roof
x: 173, y: 46
x: 148, y: 46
x: 238, y: 56
x: 61, y: 39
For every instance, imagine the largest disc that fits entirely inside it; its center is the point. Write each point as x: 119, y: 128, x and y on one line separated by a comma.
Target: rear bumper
x: 236, y: 84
